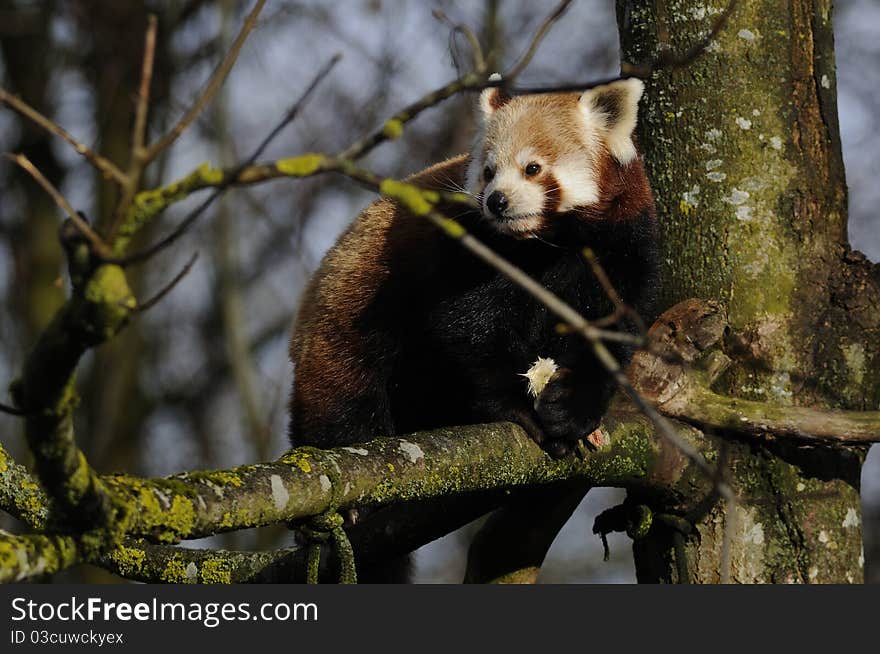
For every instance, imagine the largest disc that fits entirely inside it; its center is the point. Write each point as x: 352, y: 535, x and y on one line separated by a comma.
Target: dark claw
x: 558, y: 449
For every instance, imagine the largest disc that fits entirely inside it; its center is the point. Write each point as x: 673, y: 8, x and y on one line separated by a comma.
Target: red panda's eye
x: 488, y: 174
x: 533, y: 169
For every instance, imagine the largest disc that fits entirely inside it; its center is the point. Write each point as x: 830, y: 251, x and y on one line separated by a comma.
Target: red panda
x: 401, y: 329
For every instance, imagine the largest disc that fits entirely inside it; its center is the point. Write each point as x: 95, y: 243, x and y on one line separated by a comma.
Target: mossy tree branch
x: 98, y: 308
x: 33, y: 556
x: 139, y: 560
x: 306, y: 482
x: 679, y: 375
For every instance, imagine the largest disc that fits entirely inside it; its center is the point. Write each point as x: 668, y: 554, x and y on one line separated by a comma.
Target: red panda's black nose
x: 497, y: 203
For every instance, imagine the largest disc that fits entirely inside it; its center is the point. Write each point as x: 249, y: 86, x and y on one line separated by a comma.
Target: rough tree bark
x: 743, y: 151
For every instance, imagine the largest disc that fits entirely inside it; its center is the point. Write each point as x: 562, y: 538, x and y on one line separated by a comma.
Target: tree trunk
x: 743, y: 152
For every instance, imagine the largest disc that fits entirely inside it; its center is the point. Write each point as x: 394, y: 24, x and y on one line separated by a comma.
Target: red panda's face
x: 541, y: 155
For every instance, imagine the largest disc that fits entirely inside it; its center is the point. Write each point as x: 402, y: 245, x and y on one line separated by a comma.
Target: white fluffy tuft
x: 539, y: 374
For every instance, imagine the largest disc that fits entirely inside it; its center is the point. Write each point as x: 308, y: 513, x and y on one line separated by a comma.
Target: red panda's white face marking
x: 539, y: 155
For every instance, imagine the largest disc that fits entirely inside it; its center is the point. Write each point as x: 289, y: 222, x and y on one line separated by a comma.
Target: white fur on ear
x: 617, y: 104
x: 493, y: 98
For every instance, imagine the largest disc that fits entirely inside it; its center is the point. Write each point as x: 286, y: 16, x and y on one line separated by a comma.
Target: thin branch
x: 682, y: 389
x: 187, y: 222
x: 476, y: 80
x: 479, y: 79
x: 100, y: 247
x: 105, y: 166
x: 137, y: 161
x: 393, y: 127
x: 11, y: 410
x: 25, y: 164
x: 479, y: 60
x: 709, y: 410
x: 664, y: 61
x: 527, y: 56
x: 146, y: 306
x: 670, y: 61
x: 621, y: 309
x: 414, y: 199
x: 214, y: 84
x: 140, y: 122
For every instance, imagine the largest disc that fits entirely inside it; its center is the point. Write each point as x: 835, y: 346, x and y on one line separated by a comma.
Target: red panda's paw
x: 559, y: 423
x: 556, y: 448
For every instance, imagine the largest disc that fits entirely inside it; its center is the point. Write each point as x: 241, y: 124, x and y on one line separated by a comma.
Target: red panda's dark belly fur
x: 444, y: 338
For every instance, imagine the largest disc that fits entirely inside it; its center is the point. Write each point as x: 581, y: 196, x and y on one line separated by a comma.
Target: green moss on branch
x: 25, y: 558
x: 98, y: 309
x: 142, y: 561
x: 384, y: 471
x: 21, y: 495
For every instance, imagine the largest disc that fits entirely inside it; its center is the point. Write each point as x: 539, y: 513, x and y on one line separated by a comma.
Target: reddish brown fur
x: 624, y: 192
x: 553, y: 192
x: 498, y: 98
x: 328, y: 353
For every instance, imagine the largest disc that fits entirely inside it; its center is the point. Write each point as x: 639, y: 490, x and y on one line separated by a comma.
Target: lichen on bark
x: 743, y: 152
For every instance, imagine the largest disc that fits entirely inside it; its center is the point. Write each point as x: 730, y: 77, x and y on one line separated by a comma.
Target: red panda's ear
x: 617, y: 104
x: 493, y: 98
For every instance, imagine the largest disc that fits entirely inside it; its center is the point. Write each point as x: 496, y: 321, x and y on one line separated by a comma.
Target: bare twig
x: 527, y: 56
x: 479, y: 61
x: 668, y: 60
x: 82, y: 226
x: 476, y: 80
x: 137, y: 161
x: 11, y: 410
x: 214, y: 84
x: 187, y: 222
x: 621, y: 309
x: 25, y: 164
x: 665, y: 60
x: 144, y: 306
x: 393, y: 127
x: 140, y: 122
x: 107, y: 167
